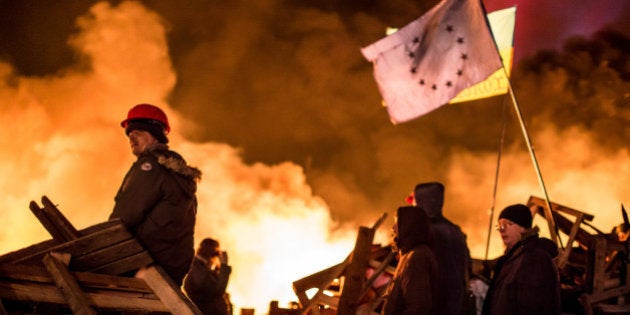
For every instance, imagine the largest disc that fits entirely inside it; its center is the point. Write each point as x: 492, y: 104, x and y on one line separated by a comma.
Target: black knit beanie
x: 519, y: 214
x: 154, y: 127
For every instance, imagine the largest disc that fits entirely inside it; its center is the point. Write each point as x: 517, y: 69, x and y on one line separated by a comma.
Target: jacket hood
x: 171, y: 160
x: 412, y: 228
x: 430, y: 197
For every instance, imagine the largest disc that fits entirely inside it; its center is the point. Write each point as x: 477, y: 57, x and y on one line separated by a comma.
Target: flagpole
x: 496, y: 178
x: 548, y: 214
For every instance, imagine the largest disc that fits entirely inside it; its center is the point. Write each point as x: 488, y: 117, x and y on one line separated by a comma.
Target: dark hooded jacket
x: 525, y: 280
x: 448, y: 243
x: 157, y: 203
x: 206, y: 287
x: 413, y: 288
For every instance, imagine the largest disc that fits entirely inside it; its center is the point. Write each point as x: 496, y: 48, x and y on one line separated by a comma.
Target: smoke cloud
x: 273, y: 101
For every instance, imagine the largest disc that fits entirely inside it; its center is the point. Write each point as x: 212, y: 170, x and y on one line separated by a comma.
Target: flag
x: 425, y: 64
x: 502, y: 26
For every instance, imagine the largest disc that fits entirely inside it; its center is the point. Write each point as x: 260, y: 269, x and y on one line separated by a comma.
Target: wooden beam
x: 565, y: 225
x: 91, y: 281
x: 164, y: 287
x: 112, y: 250
x: 44, y: 246
x: 49, y: 293
x: 354, y: 276
x: 78, y: 301
x: 59, y: 220
x: 35, y: 284
x: 54, y: 221
x: 105, y: 255
x: 126, y: 264
x: 384, y: 265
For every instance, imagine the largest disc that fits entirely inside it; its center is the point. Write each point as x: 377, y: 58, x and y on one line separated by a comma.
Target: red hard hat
x: 147, y: 111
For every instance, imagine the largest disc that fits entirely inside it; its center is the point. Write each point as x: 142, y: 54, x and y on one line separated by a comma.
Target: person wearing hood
x: 525, y: 279
x: 157, y: 199
x: 448, y: 243
x: 413, y: 289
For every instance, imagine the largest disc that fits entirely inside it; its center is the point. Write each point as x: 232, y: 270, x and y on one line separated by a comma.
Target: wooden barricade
x: 605, y: 292
x: 340, y: 288
x: 85, y: 270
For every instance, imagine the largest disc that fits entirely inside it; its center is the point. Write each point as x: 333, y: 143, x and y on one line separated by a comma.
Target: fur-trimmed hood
x: 174, y: 161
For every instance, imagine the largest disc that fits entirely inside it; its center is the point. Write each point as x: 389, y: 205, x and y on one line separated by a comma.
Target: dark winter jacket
x: 206, y: 288
x: 448, y: 244
x: 525, y: 280
x: 157, y: 203
x: 413, y: 288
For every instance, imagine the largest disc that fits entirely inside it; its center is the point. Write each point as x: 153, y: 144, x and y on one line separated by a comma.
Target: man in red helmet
x: 157, y: 198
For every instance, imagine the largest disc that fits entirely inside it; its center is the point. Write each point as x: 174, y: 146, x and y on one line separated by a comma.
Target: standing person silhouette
x: 448, y: 243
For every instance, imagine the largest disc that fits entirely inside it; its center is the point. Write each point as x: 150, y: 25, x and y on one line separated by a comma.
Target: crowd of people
x: 157, y: 203
x: 434, y: 266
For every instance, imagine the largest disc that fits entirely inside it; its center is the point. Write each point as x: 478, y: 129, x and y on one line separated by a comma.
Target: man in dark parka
x: 448, y: 243
x: 412, y: 290
x: 525, y: 279
x: 156, y: 200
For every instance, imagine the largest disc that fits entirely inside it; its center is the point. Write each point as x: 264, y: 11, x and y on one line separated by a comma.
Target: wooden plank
x: 377, y: 264
x: 565, y: 225
x: 90, y: 281
x: 599, y: 273
x: 45, y: 246
x: 325, y: 276
x: 107, y: 255
x: 48, y: 293
x: 170, y: 293
x: 320, y: 280
x: 61, y: 223
x: 32, y: 283
x: 354, y: 276
x: 78, y: 301
x: 126, y: 264
x: 568, y: 247
x: 558, y: 207
x: 81, y: 246
x: 384, y: 265
x: 608, y: 294
x: 46, y: 222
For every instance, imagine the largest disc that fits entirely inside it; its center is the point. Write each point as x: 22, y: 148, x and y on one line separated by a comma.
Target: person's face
x: 510, y: 232
x: 140, y: 140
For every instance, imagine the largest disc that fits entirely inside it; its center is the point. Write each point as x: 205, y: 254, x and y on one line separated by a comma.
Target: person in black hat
x: 157, y: 199
x: 525, y: 279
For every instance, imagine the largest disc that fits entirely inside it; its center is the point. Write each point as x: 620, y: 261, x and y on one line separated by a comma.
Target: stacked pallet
x: 99, y: 269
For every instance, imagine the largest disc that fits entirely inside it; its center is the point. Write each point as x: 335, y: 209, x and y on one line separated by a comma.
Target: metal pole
x: 548, y: 214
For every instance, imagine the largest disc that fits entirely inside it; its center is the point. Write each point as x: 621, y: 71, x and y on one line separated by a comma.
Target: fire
x: 61, y: 138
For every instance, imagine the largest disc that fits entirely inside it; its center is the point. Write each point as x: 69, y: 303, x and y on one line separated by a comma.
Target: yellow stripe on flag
x: 502, y: 25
